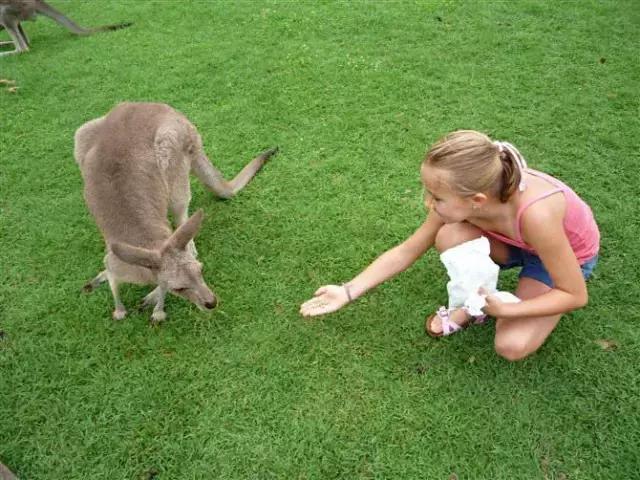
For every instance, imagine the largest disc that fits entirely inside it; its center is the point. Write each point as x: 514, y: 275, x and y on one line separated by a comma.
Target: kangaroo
x: 135, y: 162
x: 6, y: 474
x: 12, y: 12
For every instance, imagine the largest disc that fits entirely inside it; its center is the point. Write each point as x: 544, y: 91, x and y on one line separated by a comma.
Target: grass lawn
x: 352, y: 93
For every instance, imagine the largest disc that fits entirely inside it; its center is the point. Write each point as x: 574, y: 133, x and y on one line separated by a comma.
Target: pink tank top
x: 579, y: 224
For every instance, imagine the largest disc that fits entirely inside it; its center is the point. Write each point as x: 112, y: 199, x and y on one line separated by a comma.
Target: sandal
x: 449, y: 327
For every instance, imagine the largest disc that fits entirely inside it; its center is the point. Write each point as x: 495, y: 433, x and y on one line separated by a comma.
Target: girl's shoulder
x: 539, y: 183
x: 542, y: 206
x: 547, y: 209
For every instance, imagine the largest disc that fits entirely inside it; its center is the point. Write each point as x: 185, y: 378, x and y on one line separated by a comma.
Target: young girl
x: 476, y: 188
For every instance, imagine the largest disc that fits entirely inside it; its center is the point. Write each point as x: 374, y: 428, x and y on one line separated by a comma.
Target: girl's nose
x: 428, y: 203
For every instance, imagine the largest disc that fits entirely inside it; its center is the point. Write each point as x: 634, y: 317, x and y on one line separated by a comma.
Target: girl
x: 476, y: 188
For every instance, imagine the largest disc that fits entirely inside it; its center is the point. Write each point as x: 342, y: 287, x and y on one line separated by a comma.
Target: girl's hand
x: 494, y: 307
x: 500, y: 304
x: 327, y: 299
x: 505, y: 308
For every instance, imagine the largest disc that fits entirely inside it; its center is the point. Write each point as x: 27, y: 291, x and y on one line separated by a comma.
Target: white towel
x: 470, y: 268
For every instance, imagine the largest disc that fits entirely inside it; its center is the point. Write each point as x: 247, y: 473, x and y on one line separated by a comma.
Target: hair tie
x: 515, y: 154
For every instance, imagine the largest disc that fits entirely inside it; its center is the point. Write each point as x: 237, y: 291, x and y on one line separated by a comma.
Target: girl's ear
x: 479, y: 200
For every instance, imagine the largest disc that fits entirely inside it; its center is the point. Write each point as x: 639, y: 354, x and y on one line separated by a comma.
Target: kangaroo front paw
x: 157, y: 317
x: 119, y: 313
x: 150, y: 299
x: 145, y: 303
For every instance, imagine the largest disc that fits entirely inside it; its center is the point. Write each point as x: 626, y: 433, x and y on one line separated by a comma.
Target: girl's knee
x: 514, y: 348
x: 453, y: 234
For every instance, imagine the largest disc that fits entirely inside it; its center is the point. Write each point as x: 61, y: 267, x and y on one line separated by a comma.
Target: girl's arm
x: 543, y: 229
x: 397, y: 259
x: 330, y: 298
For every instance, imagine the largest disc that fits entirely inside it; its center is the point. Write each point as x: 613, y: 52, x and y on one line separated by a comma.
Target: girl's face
x: 439, y: 197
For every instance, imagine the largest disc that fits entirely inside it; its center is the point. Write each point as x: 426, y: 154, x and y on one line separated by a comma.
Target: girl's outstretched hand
x: 327, y: 299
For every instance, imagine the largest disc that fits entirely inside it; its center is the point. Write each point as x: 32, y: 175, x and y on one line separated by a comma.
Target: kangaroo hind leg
x: 85, y: 138
x: 15, y: 32
x: 174, y: 168
x: 179, y: 200
x: 95, y: 282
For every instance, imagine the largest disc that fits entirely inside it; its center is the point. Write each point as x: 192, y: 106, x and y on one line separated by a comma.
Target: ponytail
x: 513, y: 167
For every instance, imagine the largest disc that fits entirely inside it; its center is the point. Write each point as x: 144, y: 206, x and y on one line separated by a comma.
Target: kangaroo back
x: 126, y: 184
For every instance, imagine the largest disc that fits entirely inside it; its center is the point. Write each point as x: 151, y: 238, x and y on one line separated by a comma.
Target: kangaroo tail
x: 117, y: 26
x: 214, y: 180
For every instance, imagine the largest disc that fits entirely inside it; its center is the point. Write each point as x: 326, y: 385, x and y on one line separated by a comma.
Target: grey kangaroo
x: 13, y: 12
x: 135, y: 163
x: 6, y: 474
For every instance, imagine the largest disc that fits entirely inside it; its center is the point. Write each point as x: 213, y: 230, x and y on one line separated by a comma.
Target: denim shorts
x: 532, y: 266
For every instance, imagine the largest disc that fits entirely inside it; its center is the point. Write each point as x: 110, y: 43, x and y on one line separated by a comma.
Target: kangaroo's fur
x: 6, y: 474
x: 13, y: 12
x: 135, y: 162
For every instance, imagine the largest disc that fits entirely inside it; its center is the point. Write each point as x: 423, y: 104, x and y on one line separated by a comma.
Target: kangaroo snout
x: 204, y: 298
x: 208, y: 299
x: 212, y: 304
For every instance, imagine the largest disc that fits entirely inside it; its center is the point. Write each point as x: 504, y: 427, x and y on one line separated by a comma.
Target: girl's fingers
x: 323, y: 301
x: 311, y: 313
x: 320, y: 291
x: 312, y: 302
x: 315, y: 306
x: 305, y: 307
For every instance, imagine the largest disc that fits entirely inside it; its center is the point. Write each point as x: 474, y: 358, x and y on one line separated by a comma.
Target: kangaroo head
x: 176, y: 268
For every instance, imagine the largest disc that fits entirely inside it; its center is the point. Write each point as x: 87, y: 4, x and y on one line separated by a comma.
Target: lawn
x: 352, y: 93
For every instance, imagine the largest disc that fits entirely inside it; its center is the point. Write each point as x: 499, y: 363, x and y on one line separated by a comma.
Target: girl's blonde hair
x: 477, y: 164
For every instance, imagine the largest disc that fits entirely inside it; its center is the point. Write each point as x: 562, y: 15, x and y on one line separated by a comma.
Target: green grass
x: 352, y: 93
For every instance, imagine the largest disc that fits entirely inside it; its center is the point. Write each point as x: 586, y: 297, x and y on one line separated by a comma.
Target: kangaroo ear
x: 135, y: 255
x: 186, y: 231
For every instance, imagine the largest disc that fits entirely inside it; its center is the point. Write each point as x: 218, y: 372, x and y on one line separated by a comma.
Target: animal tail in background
x: 6, y: 474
